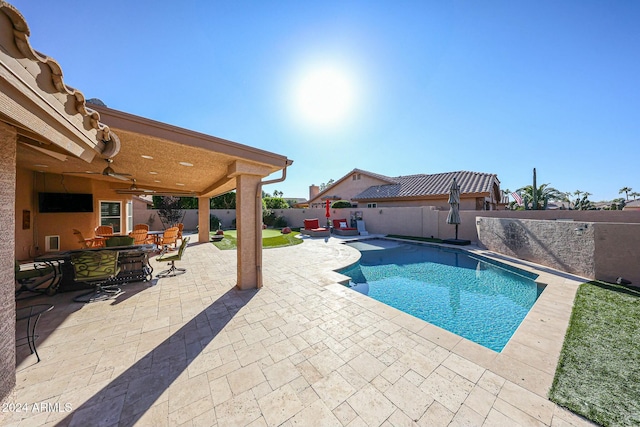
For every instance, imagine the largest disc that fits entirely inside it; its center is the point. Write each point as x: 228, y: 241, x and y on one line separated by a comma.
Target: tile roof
x: 430, y: 185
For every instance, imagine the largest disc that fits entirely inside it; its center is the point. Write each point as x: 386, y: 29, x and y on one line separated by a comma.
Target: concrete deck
x: 303, y: 350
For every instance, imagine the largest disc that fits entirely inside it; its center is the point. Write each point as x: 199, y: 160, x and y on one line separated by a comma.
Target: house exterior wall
x: 347, y: 188
x: 31, y: 242
x: 7, y: 256
x: 443, y: 203
x: 25, y: 201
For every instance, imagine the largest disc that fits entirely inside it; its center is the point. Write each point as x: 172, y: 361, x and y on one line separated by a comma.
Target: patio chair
x: 312, y: 228
x: 144, y: 227
x: 141, y: 237
x: 169, y: 237
x: 171, y: 258
x: 104, y: 230
x: 31, y: 280
x: 180, y: 228
x: 341, y: 228
x: 361, y: 228
x: 97, y: 268
x: 86, y: 242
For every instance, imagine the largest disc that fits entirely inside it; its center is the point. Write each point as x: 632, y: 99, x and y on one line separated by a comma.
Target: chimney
x: 314, y: 190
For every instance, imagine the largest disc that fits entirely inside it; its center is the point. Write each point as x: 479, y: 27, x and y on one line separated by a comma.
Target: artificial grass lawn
x: 598, y: 374
x: 271, y: 238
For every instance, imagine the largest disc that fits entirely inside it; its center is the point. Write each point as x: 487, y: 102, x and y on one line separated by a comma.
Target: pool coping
x: 531, y: 356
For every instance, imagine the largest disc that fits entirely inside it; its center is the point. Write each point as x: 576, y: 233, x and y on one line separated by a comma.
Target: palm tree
x: 625, y: 190
x: 578, y: 193
x: 566, y: 197
x: 544, y: 192
x: 634, y: 195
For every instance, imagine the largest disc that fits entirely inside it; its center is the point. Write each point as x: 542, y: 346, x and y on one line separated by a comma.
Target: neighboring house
x: 297, y: 202
x: 633, y: 205
x: 478, y: 191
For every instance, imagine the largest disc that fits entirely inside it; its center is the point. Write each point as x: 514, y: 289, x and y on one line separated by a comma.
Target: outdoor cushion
x: 311, y: 224
x: 342, y: 224
x: 119, y: 241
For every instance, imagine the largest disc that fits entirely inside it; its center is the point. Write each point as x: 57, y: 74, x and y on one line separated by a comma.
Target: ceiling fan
x: 108, y: 171
x: 133, y: 189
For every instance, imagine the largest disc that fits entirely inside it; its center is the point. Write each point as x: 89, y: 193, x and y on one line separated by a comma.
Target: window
x: 111, y: 214
x: 372, y: 205
x: 129, y: 215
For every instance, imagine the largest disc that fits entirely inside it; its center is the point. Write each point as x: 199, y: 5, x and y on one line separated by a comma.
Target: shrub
x: 214, y: 222
x: 280, y: 222
x: 269, y: 219
x: 341, y: 204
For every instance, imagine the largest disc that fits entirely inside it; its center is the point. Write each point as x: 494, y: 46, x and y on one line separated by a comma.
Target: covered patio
x: 53, y: 141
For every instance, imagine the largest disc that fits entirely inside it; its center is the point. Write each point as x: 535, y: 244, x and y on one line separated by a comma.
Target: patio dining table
x: 157, y: 235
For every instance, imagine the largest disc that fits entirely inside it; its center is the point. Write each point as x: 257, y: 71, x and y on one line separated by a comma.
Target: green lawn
x: 598, y: 374
x: 271, y: 238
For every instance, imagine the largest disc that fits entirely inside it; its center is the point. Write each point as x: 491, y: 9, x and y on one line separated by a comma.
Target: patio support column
x: 8, y: 149
x: 249, y: 225
x: 203, y: 219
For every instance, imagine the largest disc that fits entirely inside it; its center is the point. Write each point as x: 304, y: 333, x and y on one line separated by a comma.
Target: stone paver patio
x: 303, y: 350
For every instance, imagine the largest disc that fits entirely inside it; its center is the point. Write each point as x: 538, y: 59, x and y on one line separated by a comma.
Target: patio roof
x: 200, y: 162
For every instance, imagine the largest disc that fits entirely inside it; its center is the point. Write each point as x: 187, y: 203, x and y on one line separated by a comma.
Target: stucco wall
x: 424, y: 221
x: 142, y: 215
x: 31, y: 242
x: 617, y: 253
x: 606, y: 249
x: 25, y: 202
x: 7, y: 256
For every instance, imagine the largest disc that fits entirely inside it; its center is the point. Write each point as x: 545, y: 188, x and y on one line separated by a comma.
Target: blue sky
x: 423, y: 87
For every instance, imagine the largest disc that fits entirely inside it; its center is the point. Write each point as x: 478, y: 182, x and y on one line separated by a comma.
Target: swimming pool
x: 479, y: 299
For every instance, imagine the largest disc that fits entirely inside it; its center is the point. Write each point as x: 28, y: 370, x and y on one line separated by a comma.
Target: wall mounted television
x: 65, y: 202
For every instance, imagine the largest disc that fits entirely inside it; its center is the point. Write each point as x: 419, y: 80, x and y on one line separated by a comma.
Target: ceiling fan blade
x: 135, y: 191
x: 81, y: 172
x: 120, y: 176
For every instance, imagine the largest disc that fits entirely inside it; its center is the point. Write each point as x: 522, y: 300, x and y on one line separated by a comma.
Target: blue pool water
x: 476, y: 298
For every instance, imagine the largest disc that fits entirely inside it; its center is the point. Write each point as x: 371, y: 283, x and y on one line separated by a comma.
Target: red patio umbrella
x: 327, y: 213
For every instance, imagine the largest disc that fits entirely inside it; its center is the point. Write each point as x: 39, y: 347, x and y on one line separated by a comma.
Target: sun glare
x: 324, y: 96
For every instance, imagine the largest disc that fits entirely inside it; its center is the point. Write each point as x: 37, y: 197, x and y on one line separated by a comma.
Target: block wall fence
x: 592, y: 244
